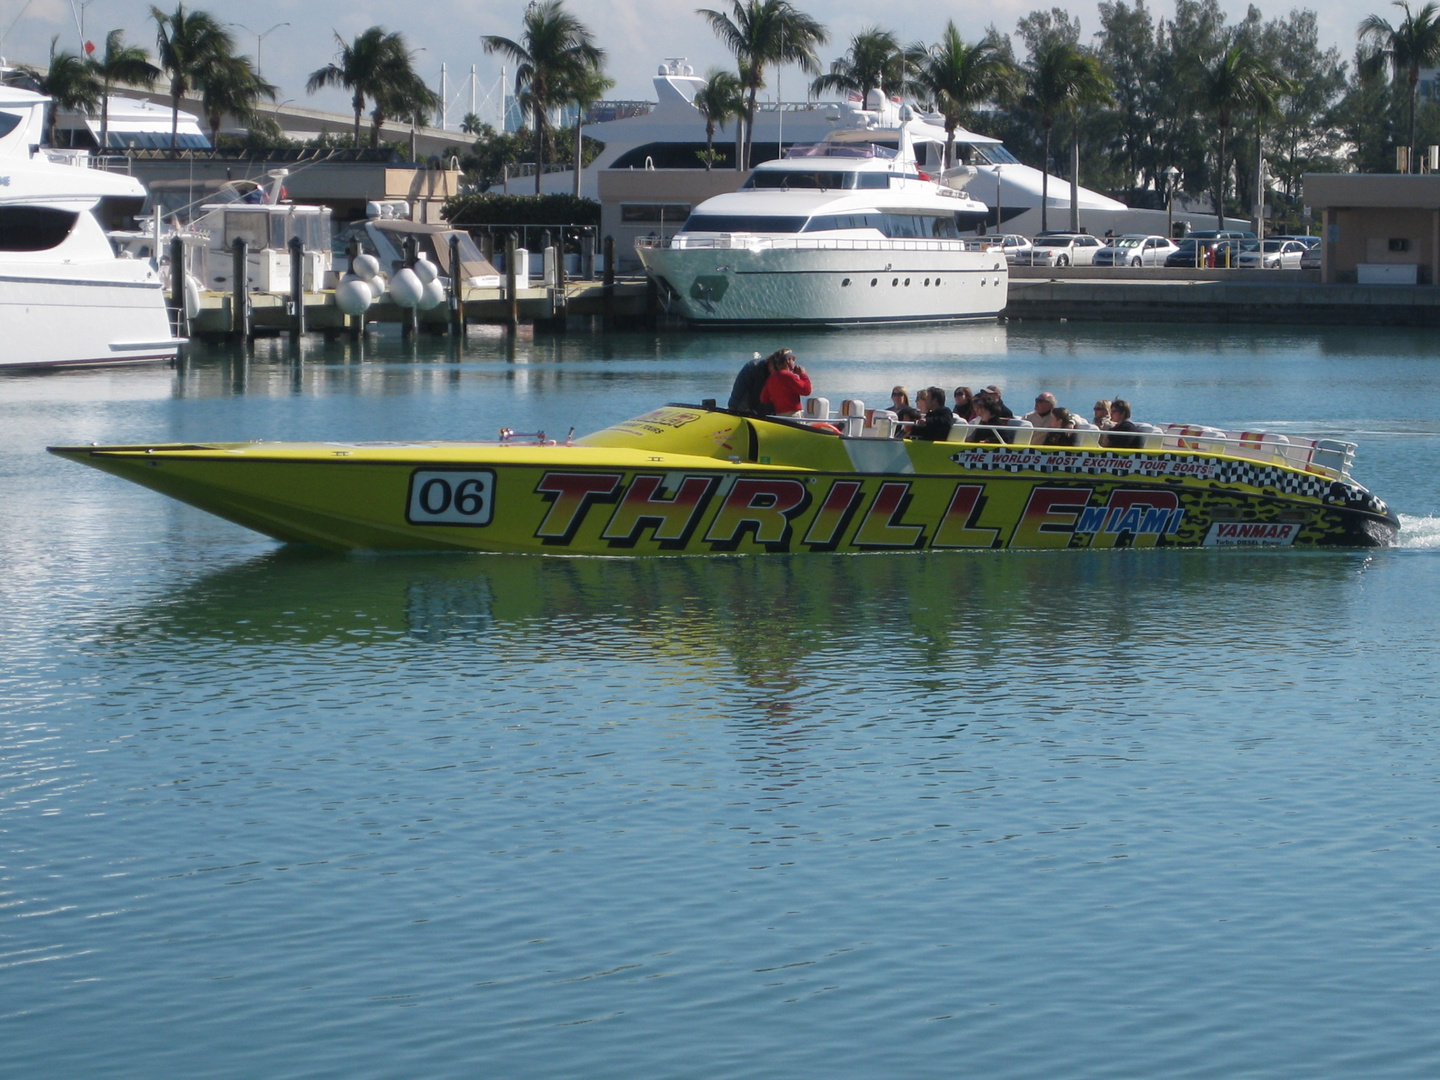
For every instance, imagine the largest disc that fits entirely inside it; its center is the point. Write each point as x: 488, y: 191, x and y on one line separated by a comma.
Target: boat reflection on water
x: 777, y: 638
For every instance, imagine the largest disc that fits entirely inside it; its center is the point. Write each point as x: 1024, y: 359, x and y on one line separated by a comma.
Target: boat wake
x: 1418, y: 532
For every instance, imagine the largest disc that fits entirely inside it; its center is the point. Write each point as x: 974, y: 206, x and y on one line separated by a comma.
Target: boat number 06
x: 450, y: 497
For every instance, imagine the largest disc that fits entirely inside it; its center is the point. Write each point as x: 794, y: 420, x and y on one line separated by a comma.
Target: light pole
x: 259, y: 38
x: 1170, y: 174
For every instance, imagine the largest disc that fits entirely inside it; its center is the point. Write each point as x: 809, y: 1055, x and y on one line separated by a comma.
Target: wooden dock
x: 623, y: 304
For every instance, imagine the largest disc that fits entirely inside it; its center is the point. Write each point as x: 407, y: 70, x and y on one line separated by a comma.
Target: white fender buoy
x: 405, y: 288
x: 425, y: 270
x: 352, y: 295
x: 365, y: 267
x: 378, y: 284
x: 433, y: 296
x: 192, y: 296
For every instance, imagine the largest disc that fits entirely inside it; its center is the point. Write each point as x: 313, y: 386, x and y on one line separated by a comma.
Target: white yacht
x: 672, y: 135
x: 836, y: 233
x: 66, y: 299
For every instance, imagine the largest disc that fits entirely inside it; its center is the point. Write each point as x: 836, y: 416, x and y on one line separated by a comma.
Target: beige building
x: 654, y: 202
x: 1377, y: 229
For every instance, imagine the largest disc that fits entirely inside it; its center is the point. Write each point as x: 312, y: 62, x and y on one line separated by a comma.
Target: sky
x: 299, y: 35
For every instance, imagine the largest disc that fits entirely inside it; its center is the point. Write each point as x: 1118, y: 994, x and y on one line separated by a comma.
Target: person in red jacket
x: 786, y: 385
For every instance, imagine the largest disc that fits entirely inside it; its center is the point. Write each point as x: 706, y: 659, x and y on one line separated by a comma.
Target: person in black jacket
x: 1120, y: 415
x: 936, y: 420
x: 745, y: 394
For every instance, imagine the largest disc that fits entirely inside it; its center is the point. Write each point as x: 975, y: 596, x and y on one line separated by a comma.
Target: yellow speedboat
x: 696, y: 480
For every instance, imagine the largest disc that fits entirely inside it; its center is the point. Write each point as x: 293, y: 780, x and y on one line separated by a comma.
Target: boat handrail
x: 1330, y: 458
x: 810, y: 242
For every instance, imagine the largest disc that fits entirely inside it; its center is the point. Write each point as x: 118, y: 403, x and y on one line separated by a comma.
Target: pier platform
x: 627, y: 301
x: 1100, y: 294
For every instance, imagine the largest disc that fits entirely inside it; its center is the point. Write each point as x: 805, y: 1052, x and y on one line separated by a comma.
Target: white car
x: 1061, y: 249
x: 1273, y: 255
x: 1012, y: 244
x: 1135, y: 249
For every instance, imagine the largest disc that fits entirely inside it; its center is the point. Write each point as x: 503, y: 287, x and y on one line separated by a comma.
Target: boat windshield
x: 841, y: 150
x: 742, y: 223
x: 994, y: 154
x: 797, y: 178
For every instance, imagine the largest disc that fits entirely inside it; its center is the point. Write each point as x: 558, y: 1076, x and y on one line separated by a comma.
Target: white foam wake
x: 1418, y: 532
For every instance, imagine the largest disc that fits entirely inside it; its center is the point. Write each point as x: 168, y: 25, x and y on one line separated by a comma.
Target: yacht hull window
x: 742, y: 223
x: 896, y: 226
x: 34, y: 228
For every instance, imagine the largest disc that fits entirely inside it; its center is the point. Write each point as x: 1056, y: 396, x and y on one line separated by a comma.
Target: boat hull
x: 837, y: 282
x: 79, y: 315
x: 652, y: 487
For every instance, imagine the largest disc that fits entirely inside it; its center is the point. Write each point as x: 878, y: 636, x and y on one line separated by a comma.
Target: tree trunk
x: 750, y: 128
x: 539, y: 149
x: 1045, y: 184
x: 579, y: 150
x: 1259, y: 183
x: 1220, y: 182
x: 1075, y: 178
x: 359, y: 102
x: 174, y: 120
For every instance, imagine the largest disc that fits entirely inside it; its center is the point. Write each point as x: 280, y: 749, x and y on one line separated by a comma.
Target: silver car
x: 1135, y: 249
x: 1061, y: 249
x: 1013, y: 245
x: 1273, y: 255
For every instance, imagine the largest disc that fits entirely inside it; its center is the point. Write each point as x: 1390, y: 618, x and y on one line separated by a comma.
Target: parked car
x: 1274, y: 254
x: 1135, y: 249
x: 1012, y: 244
x: 1310, y: 260
x: 1202, y: 251
x: 1060, y: 249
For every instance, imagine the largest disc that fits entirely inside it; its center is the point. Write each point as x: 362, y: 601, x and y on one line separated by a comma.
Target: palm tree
x: 231, y: 85
x: 69, y: 83
x: 586, y: 89
x: 1058, y: 80
x: 1237, y: 82
x: 957, y: 77
x: 186, y: 43
x: 470, y: 124
x: 875, y: 61
x: 371, y: 65
x: 555, y: 54
x: 120, y: 63
x: 721, y: 99
x: 761, y: 32
x: 405, y: 99
x: 1407, y: 48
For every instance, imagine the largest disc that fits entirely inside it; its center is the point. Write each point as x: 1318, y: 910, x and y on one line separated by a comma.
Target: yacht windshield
x: 742, y: 223
x: 994, y: 155
x: 796, y: 178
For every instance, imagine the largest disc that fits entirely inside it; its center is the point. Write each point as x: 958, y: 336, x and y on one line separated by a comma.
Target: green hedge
x: 488, y: 209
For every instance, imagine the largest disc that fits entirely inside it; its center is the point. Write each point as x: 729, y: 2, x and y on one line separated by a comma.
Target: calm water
x: 268, y: 813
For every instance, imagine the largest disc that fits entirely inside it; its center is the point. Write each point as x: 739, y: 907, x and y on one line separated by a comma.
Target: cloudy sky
x: 636, y: 34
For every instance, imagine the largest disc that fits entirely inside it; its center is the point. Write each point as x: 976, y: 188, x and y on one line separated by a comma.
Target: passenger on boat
x: 1102, y: 414
x: 1120, y: 421
x: 935, y: 424
x: 786, y: 385
x: 996, y: 399
x: 745, y: 394
x: 987, y: 413
x: 1044, y: 404
x: 964, y: 403
x: 900, y: 398
x: 1062, y: 426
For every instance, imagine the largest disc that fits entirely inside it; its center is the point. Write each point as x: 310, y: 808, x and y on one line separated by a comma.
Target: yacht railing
x: 1329, y: 458
x: 755, y: 241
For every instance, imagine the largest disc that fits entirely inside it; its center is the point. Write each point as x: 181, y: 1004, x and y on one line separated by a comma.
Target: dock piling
x: 297, y: 287
x: 239, y: 291
x: 513, y: 301
x: 181, y: 320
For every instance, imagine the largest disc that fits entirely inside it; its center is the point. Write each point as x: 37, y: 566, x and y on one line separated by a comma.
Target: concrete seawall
x: 1214, y: 296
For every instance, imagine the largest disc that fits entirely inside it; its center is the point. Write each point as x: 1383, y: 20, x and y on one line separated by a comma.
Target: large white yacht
x: 672, y: 134
x: 66, y: 300
x: 840, y: 232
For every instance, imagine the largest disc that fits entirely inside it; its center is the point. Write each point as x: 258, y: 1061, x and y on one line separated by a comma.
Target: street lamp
x: 258, y: 39
x: 1170, y: 174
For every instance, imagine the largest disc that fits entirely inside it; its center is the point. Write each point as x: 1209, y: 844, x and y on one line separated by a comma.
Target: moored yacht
x: 840, y: 232
x: 66, y: 300
x: 672, y: 136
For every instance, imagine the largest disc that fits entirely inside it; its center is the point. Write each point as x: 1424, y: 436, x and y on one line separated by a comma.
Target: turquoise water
x: 265, y: 812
